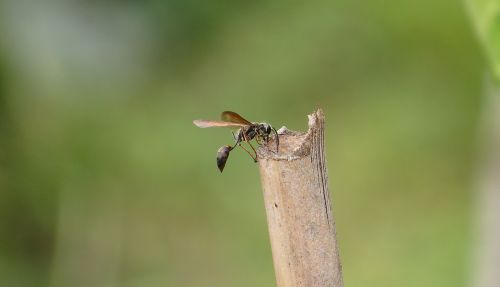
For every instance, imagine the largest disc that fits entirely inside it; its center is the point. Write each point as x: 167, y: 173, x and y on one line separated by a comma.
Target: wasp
x: 246, y: 132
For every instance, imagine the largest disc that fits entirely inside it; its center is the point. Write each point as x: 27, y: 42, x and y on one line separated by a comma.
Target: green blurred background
x: 105, y: 181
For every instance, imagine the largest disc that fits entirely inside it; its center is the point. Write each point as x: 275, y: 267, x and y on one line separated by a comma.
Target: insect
x: 247, y: 131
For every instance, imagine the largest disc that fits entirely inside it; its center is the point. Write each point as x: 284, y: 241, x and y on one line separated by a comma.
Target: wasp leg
x: 254, y: 158
x: 248, y: 142
x: 277, y: 139
x: 238, y: 143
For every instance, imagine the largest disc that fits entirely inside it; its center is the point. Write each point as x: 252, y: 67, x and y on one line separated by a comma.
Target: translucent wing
x: 233, y: 117
x: 213, y: 124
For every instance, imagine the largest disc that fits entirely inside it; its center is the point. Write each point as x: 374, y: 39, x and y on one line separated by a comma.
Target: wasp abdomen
x: 222, y: 156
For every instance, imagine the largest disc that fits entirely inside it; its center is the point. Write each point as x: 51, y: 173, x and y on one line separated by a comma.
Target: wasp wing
x: 213, y: 124
x: 233, y: 117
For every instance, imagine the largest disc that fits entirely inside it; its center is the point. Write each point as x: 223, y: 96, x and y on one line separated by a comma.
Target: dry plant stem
x: 297, y: 202
x: 487, y: 232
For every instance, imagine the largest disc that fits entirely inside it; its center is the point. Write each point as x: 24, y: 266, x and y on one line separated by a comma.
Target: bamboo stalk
x: 297, y: 203
x: 487, y: 233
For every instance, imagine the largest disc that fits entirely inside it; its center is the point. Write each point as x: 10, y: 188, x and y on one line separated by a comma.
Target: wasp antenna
x: 277, y: 139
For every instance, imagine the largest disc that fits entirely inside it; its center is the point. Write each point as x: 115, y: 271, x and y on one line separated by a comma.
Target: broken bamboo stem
x: 297, y: 203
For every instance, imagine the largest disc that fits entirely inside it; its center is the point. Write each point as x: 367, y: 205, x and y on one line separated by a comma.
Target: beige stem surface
x: 297, y: 203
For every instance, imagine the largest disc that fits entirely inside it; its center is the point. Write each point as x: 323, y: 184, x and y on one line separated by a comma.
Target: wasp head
x: 265, y: 129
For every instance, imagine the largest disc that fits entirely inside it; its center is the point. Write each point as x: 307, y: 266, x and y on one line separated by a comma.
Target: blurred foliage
x: 485, y: 15
x: 104, y: 181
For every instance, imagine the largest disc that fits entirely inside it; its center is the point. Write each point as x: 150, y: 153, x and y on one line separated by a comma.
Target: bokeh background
x: 105, y: 181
